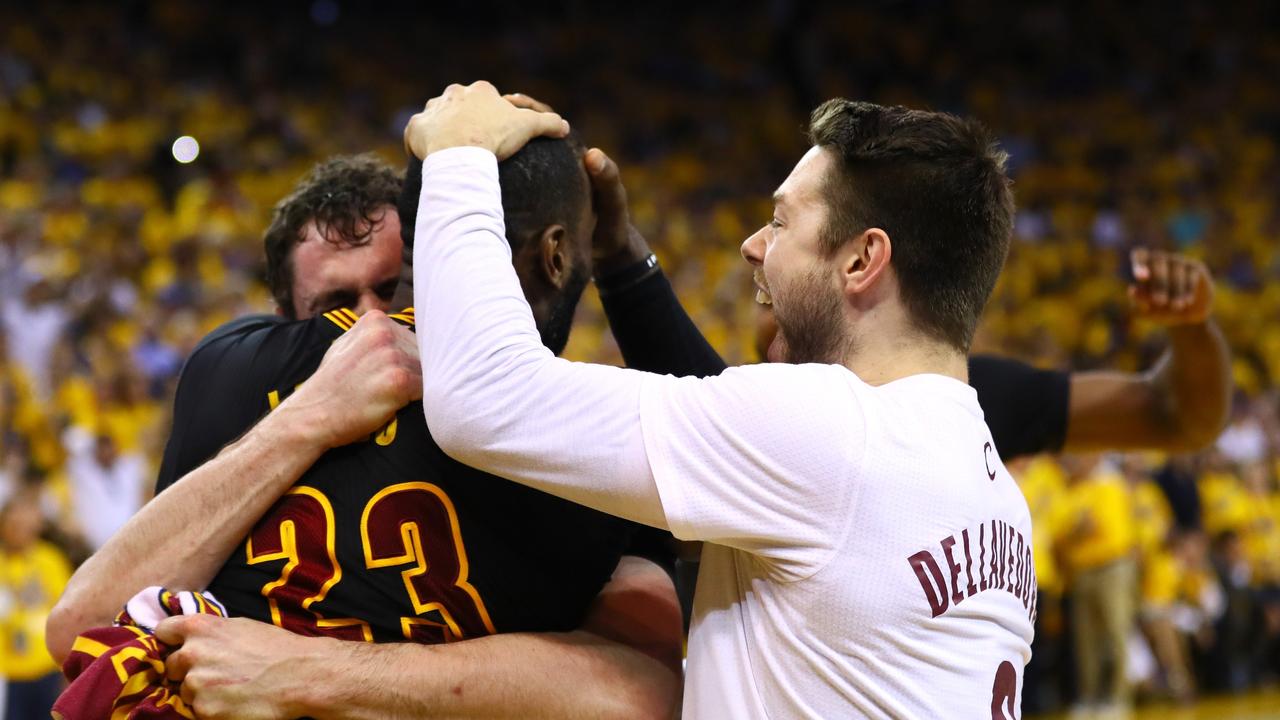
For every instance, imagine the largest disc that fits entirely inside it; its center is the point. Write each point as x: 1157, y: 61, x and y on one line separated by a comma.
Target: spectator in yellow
x: 1096, y: 545
x: 1162, y: 574
x: 1163, y: 578
x: 32, y: 576
x: 1222, y: 495
x: 1261, y: 529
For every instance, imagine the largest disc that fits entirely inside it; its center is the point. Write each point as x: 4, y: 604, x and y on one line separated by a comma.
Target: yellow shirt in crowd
x: 30, y: 583
x: 1262, y: 537
x: 1044, y: 485
x: 1100, y: 529
x: 1223, y: 503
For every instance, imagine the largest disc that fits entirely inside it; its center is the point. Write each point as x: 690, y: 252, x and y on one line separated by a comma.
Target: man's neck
x: 879, y: 362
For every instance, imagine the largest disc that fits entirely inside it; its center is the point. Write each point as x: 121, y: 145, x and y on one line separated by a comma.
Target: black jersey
x: 1026, y: 408
x: 386, y: 539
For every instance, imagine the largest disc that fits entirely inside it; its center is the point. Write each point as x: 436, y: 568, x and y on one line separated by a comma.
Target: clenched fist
x: 1170, y: 289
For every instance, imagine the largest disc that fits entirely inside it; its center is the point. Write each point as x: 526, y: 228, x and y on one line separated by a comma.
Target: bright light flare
x: 186, y: 149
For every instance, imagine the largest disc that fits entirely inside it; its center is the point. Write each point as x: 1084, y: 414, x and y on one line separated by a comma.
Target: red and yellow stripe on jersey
x: 346, y: 319
x: 342, y: 317
x: 119, y: 671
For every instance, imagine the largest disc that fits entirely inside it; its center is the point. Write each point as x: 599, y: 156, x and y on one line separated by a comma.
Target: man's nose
x: 753, y: 248
x: 369, y: 300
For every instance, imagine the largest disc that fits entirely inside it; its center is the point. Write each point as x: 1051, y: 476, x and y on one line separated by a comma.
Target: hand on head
x: 476, y: 115
x: 455, y: 116
x: 1169, y: 288
x: 616, y: 242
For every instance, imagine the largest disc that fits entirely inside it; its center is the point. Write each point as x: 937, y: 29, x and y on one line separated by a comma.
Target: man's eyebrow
x: 779, y: 197
x: 332, y: 297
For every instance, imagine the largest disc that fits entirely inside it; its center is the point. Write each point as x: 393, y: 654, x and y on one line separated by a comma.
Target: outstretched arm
x: 183, y: 536
x: 761, y: 459
x: 1183, y: 402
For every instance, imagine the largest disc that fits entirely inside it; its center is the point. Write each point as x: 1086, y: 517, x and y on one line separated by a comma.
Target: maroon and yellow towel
x: 118, y: 672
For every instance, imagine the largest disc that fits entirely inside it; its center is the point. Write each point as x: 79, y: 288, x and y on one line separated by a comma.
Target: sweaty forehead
x: 804, y: 185
x: 322, y: 268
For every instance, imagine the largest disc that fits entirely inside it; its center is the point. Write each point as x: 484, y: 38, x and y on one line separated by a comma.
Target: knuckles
x: 401, y: 381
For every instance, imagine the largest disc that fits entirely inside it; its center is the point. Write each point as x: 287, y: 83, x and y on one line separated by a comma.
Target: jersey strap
x: 405, y: 316
x: 342, y: 317
x: 345, y: 319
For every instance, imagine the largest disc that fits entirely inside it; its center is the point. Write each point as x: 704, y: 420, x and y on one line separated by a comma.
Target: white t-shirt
x: 103, y: 497
x: 871, y: 555
x: 859, y: 582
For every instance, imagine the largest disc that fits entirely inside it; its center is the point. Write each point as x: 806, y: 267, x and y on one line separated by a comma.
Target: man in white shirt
x: 868, y: 553
x: 107, y: 486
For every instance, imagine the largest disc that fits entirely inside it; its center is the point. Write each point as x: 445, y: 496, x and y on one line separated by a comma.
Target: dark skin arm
x: 1180, y: 404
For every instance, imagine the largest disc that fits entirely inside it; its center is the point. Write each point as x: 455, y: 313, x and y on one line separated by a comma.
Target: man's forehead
x: 322, y: 267
x: 804, y: 184
x: 385, y: 220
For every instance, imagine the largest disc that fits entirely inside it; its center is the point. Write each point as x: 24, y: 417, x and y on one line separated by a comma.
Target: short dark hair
x: 543, y: 184
x: 345, y: 196
x: 936, y: 184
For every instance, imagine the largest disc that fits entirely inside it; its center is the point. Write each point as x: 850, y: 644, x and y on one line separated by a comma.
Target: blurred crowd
x: 1150, y: 125
x: 1172, y: 563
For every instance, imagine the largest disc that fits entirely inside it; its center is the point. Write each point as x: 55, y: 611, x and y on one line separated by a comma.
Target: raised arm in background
x: 1181, y: 403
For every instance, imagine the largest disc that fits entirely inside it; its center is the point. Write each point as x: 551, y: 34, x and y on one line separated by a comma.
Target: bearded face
x: 807, y: 308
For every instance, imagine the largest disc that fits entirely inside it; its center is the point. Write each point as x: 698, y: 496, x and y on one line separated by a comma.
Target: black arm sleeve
x: 224, y: 385
x: 1026, y: 408
x: 654, y: 332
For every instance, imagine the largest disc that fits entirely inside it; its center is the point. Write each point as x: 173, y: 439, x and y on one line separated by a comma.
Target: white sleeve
x: 748, y: 459
x: 494, y: 396
x: 763, y: 458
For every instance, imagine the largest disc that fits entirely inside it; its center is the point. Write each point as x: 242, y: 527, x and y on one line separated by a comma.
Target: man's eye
x: 335, y: 303
x: 775, y: 223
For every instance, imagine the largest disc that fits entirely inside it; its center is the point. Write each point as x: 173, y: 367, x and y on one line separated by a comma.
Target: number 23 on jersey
x: 300, y: 529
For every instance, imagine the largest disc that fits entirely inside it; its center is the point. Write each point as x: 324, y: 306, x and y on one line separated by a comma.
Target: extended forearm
x: 182, y: 537
x: 576, y: 675
x: 653, y: 331
x: 1194, y: 378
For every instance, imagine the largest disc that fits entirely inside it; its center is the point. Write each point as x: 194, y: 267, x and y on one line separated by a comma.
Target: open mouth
x: 762, y: 291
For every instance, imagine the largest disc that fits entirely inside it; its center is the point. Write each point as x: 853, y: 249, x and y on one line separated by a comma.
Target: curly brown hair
x: 346, y: 196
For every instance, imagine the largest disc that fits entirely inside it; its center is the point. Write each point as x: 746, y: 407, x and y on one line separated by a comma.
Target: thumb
x: 173, y: 631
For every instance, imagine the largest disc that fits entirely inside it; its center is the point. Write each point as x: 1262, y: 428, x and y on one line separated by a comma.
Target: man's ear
x: 553, y: 255
x: 866, y: 260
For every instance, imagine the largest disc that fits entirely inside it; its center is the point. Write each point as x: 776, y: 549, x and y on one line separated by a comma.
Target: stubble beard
x: 555, y: 331
x: 810, y: 318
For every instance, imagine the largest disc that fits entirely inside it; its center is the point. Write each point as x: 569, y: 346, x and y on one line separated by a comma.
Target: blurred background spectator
x: 32, y: 575
x: 142, y: 145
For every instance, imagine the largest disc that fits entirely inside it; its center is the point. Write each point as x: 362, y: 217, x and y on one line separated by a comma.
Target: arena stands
x: 1127, y: 126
